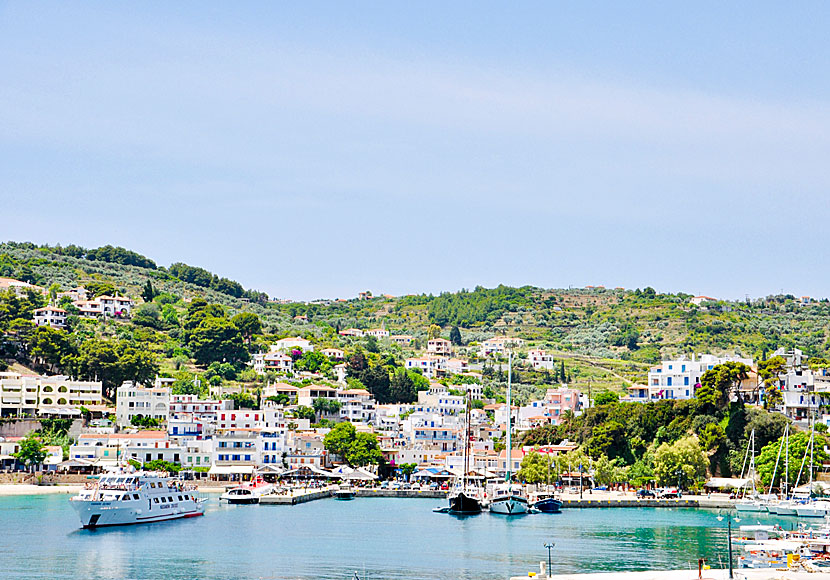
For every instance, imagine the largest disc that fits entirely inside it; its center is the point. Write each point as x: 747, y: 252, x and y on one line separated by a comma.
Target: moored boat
x: 509, y: 499
x: 248, y: 493
x: 344, y: 492
x: 547, y: 504
x: 138, y: 498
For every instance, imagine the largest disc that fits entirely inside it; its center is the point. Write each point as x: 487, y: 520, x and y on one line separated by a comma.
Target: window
x: 135, y: 496
x: 155, y: 500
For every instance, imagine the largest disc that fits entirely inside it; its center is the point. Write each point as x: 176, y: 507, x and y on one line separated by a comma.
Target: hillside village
x: 181, y: 367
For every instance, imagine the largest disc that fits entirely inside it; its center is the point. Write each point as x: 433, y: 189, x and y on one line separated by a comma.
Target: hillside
x: 605, y: 338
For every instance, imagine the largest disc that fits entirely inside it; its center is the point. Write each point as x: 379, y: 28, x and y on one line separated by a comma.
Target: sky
x: 315, y: 149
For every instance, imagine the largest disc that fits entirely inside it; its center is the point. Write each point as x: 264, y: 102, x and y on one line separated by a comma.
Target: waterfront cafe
x: 231, y: 472
x: 306, y: 472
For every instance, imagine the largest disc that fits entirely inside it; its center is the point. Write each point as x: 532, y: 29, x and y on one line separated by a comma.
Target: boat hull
x: 509, y: 506
x: 464, y: 504
x: 548, y: 505
x: 99, y: 514
x: 344, y: 495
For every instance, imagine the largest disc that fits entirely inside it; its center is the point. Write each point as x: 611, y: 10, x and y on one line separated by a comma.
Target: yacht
x: 509, y: 498
x: 248, y: 492
x: 138, y: 498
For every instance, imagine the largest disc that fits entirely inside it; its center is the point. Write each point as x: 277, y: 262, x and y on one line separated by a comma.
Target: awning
x: 309, y: 471
x: 729, y: 482
x: 360, y: 474
x: 230, y: 469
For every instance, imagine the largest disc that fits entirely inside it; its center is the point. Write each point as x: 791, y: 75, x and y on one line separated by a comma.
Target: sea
x: 367, y: 538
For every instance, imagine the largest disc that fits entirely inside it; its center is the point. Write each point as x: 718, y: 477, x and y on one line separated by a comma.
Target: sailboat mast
x: 466, y: 444
x: 509, y: 410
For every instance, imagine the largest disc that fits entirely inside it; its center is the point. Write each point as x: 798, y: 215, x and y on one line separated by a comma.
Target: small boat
x: 547, y: 504
x: 344, y: 492
x: 247, y: 493
x: 138, y: 498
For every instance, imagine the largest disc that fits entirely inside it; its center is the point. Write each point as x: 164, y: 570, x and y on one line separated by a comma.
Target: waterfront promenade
x: 720, y: 574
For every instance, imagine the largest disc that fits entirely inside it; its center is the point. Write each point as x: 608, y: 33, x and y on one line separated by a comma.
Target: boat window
x: 152, y: 484
x: 181, y: 498
x: 125, y: 497
x: 135, y: 496
x: 155, y: 499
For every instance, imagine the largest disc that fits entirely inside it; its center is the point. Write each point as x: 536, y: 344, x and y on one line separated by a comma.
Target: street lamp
x: 729, y: 536
x: 549, y: 546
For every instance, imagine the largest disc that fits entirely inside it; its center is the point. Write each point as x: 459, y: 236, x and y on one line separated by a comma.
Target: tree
x: 455, y: 336
x: 535, y: 468
x: 718, y: 383
x: 376, y: 380
x: 606, y: 397
x: 683, y: 460
x: 769, y: 371
x: 434, y: 331
x: 31, y: 452
x: 403, y: 389
x: 357, y: 449
x: 325, y: 406
x: 407, y: 469
x: 149, y: 315
x: 798, y: 450
x: 303, y: 412
x: 248, y: 324
x: 147, y: 293
x: 313, y: 361
x: 112, y: 362
x: 217, y: 339
x: 608, y: 439
x: 50, y: 346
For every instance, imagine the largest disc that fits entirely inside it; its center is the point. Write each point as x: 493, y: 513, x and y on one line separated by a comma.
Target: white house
x: 334, y: 353
x: 439, y: 346
x: 378, y: 333
x: 275, y: 361
x: 105, y: 306
x: 46, y: 395
x: 137, y: 401
x: 499, y: 345
x: 287, y: 344
x: 401, y: 339
x: 676, y: 379
x: 50, y: 316
x: 539, y: 359
x: 430, y: 366
x: 356, y: 405
x: 351, y: 332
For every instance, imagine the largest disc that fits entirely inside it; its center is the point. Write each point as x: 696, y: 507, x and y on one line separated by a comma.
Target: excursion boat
x: 138, y: 498
x: 249, y: 492
x: 344, y: 492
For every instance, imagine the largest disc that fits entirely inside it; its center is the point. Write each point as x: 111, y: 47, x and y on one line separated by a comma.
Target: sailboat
x: 753, y: 503
x: 465, y: 499
x: 509, y: 498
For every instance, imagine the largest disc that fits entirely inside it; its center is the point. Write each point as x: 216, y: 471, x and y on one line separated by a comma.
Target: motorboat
x: 344, y: 492
x: 138, y: 498
x: 813, y: 509
x: 248, y: 492
x: 547, y: 503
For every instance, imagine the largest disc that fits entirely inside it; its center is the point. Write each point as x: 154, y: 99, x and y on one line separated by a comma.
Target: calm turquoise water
x: 388, y: 538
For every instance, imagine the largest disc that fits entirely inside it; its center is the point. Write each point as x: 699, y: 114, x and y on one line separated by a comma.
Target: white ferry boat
x: 137, y: 498
x: 249, y: 492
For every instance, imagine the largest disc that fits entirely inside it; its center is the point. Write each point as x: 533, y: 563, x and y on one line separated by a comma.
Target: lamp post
x: 729, y: 538
x: 549, y: 546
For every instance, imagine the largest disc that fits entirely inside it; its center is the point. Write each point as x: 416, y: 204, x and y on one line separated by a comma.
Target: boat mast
x: 466, y: 443
x: 509, y: 410
x: 786, y: 460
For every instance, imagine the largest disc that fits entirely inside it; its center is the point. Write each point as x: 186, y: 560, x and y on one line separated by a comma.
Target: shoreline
x: 711, y: 574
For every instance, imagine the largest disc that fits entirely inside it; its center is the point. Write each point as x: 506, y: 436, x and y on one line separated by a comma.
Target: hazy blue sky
x: 319, y: 149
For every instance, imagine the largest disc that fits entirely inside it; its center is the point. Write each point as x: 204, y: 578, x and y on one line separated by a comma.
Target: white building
x: 499, y: 345
x: 307, y: 395
x: 288, y: 344
x: 439, y: 347
x: 356, y: 332
x: 378, y: 333
x: 676, y: 379
x: 539, y: 359
x: 50, y: 316
x: 46, y: 395
x: 430, y: 366
x: 137, y: 401
x: 438, y: 400
x: 105, y: 306
x: 274, y: 361
x: 401, y: 339
x: 456, y: 366
x: 356, y: 405
x: 334, y: 353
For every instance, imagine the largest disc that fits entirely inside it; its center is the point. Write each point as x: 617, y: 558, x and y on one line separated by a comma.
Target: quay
x: 712, y: 574
x: 693, y: 502
x: 296, y: 496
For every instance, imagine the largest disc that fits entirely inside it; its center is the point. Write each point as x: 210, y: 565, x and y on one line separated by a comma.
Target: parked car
x: 645, y: 493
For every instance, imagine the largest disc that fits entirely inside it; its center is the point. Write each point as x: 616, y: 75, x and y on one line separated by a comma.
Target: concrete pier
x: 739, y: 574
x: 296, y: 498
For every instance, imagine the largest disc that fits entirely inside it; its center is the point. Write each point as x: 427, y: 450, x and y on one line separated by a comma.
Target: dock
x: 296, y: 497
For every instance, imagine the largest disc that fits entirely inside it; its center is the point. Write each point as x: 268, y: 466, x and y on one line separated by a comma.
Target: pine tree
x: 455, y: 336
